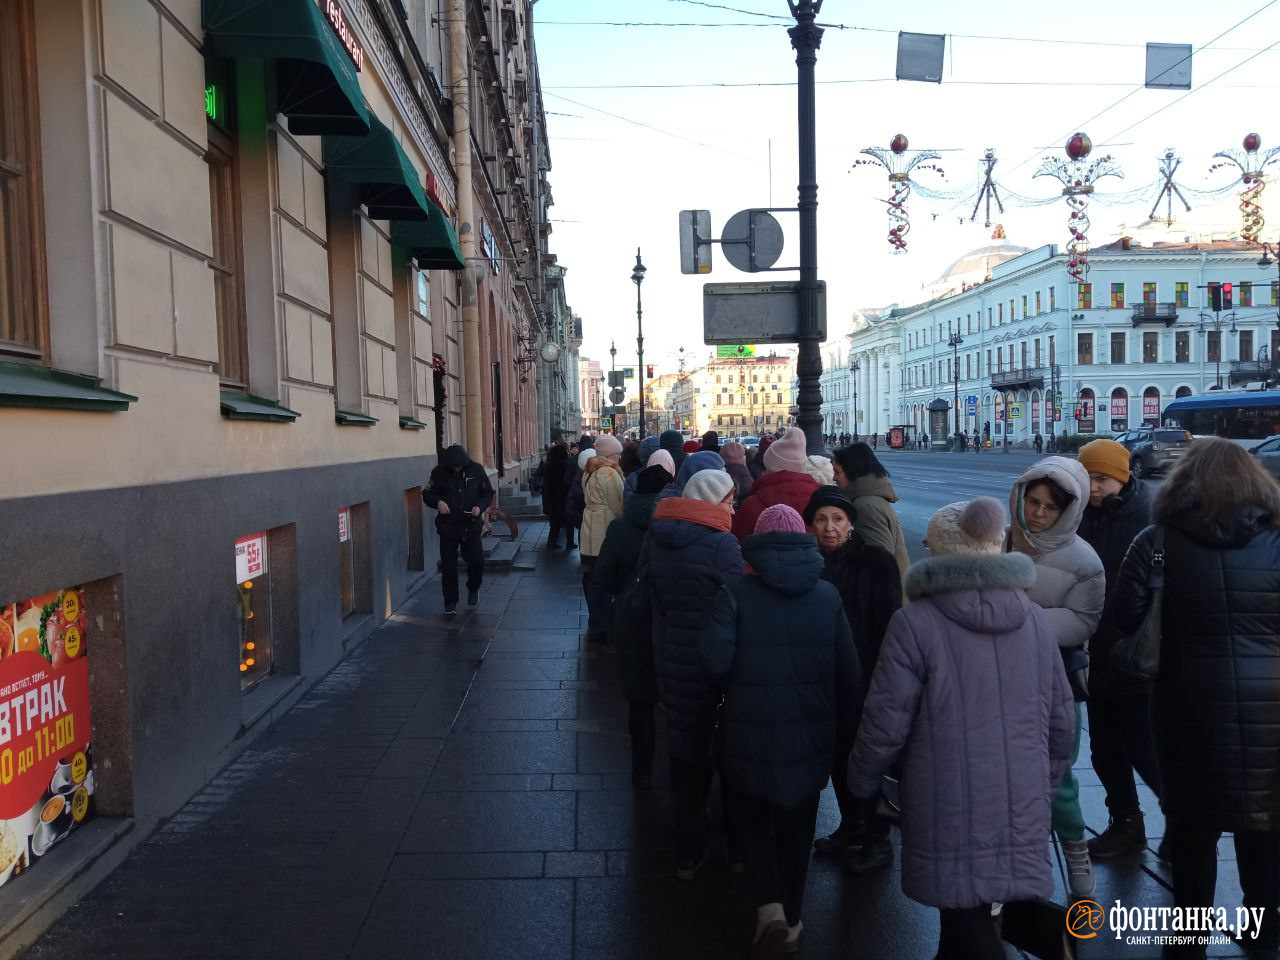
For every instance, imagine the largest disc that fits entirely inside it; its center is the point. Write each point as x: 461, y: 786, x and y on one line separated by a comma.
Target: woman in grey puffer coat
x: 1047, y: 504
x: 970, y: 690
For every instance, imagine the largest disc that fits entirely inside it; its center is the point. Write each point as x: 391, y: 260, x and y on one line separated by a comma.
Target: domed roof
x: 981, y: 260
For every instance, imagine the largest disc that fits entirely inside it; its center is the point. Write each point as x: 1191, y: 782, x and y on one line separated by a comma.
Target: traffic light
x: 1226, y: 296
x: 648, y: 370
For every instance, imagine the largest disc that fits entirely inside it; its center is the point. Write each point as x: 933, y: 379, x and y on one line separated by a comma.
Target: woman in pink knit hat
x: 785, y: 481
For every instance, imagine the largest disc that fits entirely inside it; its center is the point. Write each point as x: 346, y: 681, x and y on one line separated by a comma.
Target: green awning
x: 388, y: 183
x: 431, y: 242
x: 316, y: 83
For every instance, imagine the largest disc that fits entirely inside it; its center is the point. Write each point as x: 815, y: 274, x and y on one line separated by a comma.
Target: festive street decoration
x: 1168, y: 188
x: 988, y: 189
x: 1078, y: 179
x: 1251, y: 165
x: 900, y: 164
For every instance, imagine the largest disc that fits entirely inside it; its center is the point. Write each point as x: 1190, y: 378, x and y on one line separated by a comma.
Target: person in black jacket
x: 780, y: 647
x: 573, y: 493
x: 870, y: 587
x: 1119, y: 508
x: 554, y: 487
x: 459, y: 491
x: 1216, y: 700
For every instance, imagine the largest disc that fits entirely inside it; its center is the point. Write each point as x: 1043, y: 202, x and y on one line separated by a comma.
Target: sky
x: 645, y: 121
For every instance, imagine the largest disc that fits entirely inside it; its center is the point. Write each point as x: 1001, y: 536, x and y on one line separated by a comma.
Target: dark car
x: 1154, y: 450
x: 1268, y: 454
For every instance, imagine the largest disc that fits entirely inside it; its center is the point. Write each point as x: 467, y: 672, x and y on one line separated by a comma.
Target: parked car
x: 1154, y: 450
x: 1268, y: 454
x: 749, y: 441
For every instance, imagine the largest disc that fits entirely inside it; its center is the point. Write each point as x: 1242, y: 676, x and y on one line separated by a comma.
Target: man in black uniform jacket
x: 459, y: 491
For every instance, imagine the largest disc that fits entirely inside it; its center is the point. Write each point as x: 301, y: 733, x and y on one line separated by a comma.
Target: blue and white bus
x: 1242, y: 417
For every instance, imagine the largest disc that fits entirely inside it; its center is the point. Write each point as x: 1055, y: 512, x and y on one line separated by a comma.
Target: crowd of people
x: 763, y: 600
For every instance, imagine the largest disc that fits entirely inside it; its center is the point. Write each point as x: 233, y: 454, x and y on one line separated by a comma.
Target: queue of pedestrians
x: 775, y: 623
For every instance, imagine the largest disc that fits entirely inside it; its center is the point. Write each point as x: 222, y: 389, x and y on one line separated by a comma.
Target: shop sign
x: 344, y: 525
x: 251, y: 557
x: 337, y: 20
x: 46, y: 761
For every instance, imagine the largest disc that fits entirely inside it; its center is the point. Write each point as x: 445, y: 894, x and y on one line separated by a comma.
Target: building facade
x: 234, y: 335
x: 591, y: 394
x: 1026, y: 351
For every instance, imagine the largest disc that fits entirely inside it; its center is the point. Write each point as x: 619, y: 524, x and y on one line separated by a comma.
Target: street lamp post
x: 637, y: 277
x: 1271, y: 255
x: 954, y: 340
x: 613, y: 376
x: 1214, y: 322
x: 854, y: 367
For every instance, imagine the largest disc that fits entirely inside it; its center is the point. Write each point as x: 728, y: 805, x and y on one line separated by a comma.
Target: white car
x: 749, y: 441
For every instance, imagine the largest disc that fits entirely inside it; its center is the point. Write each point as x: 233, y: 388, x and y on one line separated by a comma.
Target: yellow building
x: 747, y: 396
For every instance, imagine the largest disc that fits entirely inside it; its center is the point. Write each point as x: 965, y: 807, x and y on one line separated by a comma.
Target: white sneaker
x: 1079, y: 869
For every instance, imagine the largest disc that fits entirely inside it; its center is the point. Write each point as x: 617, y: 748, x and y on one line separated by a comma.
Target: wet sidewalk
x: 460, y: 788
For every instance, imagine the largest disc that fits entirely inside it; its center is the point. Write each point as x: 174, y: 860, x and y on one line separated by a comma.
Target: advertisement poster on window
x: 46, y: 760
x: 1151, y: 408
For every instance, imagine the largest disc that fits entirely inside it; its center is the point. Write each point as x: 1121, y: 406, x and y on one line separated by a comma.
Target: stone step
x: 502, y: 556
x: 531, y: 512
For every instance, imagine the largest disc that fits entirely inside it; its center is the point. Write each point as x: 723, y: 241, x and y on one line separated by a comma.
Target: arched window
x: 1151, y: 406
x: 1086, y: 422
x: 1119, y: 410
x: 1182, y: 392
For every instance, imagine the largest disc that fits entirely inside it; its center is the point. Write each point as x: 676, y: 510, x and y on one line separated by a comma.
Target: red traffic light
x: 649, y: 370
x: 1226, y: 296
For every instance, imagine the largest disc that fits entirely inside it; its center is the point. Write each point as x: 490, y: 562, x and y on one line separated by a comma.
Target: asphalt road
x: 926, y: 481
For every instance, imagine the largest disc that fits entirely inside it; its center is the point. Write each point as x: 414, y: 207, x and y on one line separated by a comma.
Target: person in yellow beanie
x: 1119, y: 509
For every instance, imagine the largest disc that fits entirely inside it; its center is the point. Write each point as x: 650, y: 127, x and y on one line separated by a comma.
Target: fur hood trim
x: 950, y: 574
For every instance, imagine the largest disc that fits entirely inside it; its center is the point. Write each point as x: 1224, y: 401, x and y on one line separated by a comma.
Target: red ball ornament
x: 1252, y: 142
x: 1079, y: 146
x: 1074, y: 264
x: 899, y: 143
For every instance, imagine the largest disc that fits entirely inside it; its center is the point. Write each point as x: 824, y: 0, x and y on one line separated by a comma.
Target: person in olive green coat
x: 865, y: 481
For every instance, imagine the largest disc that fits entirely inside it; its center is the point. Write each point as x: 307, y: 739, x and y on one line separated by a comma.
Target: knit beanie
x: 661, y: 458
x: 671, y: 440
x: 779, y: 518
x: 821, y: 469
x: 584, y: 456
x: 648, y: 446
x: 693, y: 446
x: 607, y: 445
x: 709, y: 485
x: 789, y: 453
x: 711, y: 441
x: 653, y: 479
x: 586, y: 441
x: 829, y: 496
x: 973, y: 528
x: 1106, y: 457
x: 734, y: 452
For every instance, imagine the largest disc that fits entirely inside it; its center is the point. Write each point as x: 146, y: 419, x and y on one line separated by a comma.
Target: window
x: 1053, y: 298
x: 988, y: 318
x: 1150, y: 347
x: 1148, y: 295
x: 1213, y: 346
x: 1024, y: 306
x: 717, y: 378
x: 1024, y: 355
x: 1117, y: 348
x: 1244, y: 296
x: 1117, y: 295
x: 1084, y: 348
x: 227, y: 262
x: 1037, y: 351
x: 22, y: 266
x: 1246, y: 345
x: 988, y: 361
x: 1000, y: 312
x: 1084, y: 296
x: 1181, y: 294
x: 1011, y: 313
x: 1037, y: 303
x: 1052, y: 355
x: 1275, y: 293
x: 1182, y: 347
x: 253, y: 608
x: 1119, y: 410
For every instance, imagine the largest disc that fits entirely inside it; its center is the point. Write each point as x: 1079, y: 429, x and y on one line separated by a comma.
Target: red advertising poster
x: 46, y: 762
x: 897, y: 439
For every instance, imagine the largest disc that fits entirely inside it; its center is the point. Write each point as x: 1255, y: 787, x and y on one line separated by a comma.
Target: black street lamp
x: 1215, y: 322
x: 954, y: 340
x: 854, y: 367
x: 637, y: 277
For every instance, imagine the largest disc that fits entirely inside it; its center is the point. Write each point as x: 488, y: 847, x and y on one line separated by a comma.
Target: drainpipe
x: 461, y: 95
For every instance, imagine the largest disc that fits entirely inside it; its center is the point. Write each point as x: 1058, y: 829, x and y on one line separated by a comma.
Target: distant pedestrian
x: 459, y: 491
x: 711, y: 441
x: 629, y: 461
x: 1038, y: 441
x: 756, y: 466
x: 784, y: 481
x: 1119, y: 707
x: 780, y: 648
x: 735, y: 464
x: 1047, y: 504
x: 870, y: 587
x: 614, y: 574
x: 690, y: 554
x: 553, y: 495
x: 602, y: 492
x: 1215, y: 705
x: 672, y: 442
x: 970, y: 696
x: 865, y: 481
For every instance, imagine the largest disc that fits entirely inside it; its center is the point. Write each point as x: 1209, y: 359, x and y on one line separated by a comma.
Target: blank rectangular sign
x: 920, y: 56
x: 1168, y: 66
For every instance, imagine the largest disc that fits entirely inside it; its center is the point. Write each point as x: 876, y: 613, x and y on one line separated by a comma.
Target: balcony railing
x: 1030, y: 377
x: 1166, y: 313
x: 1254, y: 371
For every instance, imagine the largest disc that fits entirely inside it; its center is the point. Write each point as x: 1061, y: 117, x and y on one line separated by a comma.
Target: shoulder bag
x: 1137, y: 654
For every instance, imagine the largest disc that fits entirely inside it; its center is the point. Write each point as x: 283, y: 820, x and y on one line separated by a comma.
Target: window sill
x: 258, y: 701
x: 244, y: 406
x: 347, y: 418
x: 408, y: 423
x: 27, y: 385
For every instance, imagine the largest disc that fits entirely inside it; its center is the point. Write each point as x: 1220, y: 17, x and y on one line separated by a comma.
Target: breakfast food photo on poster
x: 46, y: 759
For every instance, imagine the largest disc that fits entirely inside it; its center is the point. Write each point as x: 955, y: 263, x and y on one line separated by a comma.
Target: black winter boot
x: 1123, y: 837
